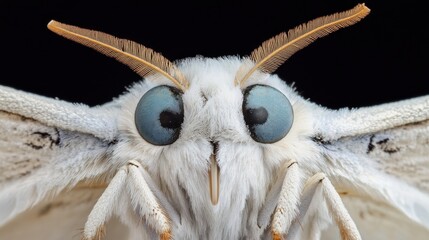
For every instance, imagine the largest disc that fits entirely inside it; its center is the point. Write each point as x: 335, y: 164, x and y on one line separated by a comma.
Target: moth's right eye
x: 159, y: 115
x: 267, y: 112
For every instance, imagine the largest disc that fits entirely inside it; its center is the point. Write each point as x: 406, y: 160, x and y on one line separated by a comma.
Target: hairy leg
x: 319, y: 192
x: 140, y: 197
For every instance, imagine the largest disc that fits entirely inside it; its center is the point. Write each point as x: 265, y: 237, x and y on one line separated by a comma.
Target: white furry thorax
x: 213, y: 113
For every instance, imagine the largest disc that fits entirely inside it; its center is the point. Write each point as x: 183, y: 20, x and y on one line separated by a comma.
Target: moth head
x: 267, y: 112
x: 209, y: 115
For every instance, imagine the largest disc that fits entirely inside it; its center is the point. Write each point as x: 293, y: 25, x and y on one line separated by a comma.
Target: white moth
x: 212, y: 149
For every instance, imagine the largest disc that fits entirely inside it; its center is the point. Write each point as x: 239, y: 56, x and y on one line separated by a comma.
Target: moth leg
x: 288, y: 201
x: 312, y: 203
x: 348, y: 229
x: 102, y: 210
x: 143, y: 199
x: 319, y: 183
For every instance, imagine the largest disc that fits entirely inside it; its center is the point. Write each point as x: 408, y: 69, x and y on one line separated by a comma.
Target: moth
x: 212, y: 148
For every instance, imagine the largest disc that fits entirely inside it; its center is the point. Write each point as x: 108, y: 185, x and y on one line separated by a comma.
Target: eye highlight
x: 267, y: 112
x: 159, y: 115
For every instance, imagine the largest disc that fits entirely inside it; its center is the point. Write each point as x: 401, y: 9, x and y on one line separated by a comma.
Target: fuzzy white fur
x: 247, y: 168
x: 288, y: 201
x: 178, y: 174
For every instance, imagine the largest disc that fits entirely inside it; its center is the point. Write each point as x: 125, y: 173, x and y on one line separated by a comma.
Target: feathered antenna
x: 275, y: 51
x: 144, y: 61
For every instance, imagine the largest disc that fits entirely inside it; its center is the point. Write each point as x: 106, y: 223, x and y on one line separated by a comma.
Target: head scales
x: 275, y: 51
x: 144, y: 61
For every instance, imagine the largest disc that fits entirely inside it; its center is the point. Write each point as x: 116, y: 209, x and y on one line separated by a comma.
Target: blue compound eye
x: 267, y: 112
x: 159, y: 115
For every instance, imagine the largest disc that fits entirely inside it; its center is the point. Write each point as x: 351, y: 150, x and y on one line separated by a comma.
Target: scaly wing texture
x: 47, y: 146
x: 378, y: 158
x: 99, y: 122
x: 378, y: 221
x: 60, y: 218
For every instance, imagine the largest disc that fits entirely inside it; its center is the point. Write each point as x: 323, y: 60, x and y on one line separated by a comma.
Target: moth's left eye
x: 267, y: 112
x: 159, y: 115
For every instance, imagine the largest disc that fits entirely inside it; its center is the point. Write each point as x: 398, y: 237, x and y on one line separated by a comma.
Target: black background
x: 380, y: 59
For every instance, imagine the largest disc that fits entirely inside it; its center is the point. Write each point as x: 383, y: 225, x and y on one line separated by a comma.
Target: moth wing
x: 376, y: 220
x: 48, y: 146
x: 378, y: 160
x: 62, y: 217
x: 98, y: 121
